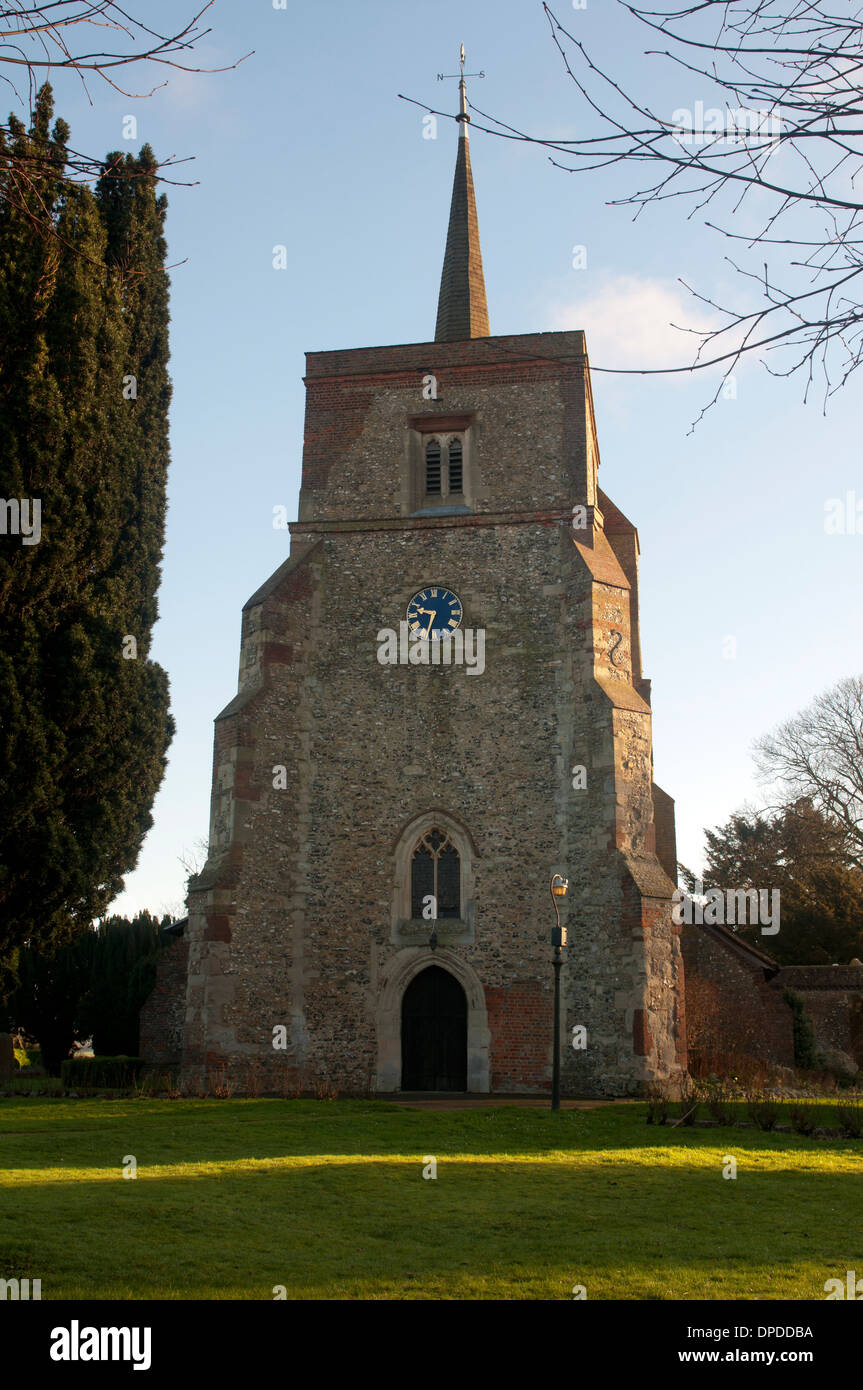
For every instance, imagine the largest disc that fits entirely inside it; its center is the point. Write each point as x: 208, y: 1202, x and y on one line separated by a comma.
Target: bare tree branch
x: 36, y: 40
x: 819, y: 755
x: 786, y: 81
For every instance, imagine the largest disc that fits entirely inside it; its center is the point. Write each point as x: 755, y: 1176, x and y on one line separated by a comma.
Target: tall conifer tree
x: 84, y: 394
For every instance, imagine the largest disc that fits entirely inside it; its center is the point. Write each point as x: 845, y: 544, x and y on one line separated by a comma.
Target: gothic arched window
x: 433, y: 465
x: 436, y: 872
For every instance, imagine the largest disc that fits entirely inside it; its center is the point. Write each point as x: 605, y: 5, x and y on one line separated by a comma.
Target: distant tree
x: 121, y: 973
x: 84, y: 394
x: 93, y: 986
x: 805, y: 855
x: 45, y: 1002
x: 819, y: 755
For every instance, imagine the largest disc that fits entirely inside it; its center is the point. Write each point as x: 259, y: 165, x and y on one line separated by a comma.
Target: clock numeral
x: 434, y: 593
x: 453, y: 622
x: 452, y: 600
x: 414, y: 627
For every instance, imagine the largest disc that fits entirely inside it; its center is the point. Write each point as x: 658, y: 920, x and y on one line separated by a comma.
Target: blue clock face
x: 434, y: 611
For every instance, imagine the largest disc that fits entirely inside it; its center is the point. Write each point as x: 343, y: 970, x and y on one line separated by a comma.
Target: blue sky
x: 307, y: 144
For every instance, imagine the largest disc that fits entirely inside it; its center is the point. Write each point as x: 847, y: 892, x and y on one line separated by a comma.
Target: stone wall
x: 163, y: 1014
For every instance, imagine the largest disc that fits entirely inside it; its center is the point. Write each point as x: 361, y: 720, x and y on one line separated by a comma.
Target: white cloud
x: 628, y: 322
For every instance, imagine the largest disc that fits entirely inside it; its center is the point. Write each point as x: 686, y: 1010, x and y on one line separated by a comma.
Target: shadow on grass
x: 39, y: 1134
x: 652, y: 1228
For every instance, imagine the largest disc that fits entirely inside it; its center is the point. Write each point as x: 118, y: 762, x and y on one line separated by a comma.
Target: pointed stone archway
x: 403, y: 967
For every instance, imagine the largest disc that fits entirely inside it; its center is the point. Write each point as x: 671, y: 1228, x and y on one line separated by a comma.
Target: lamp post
x: 559, y: 886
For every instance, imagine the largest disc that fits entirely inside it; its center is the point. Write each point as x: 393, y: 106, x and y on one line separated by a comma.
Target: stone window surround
x: 416, y: 931
x: 401, y: 969
x: 420, y: 430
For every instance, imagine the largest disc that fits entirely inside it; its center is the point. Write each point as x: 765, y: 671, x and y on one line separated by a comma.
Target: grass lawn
x: 234, y: 1197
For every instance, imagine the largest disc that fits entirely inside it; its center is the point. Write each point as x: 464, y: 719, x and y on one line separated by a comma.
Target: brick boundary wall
x: 847, y: 978
x: 732, y: 1003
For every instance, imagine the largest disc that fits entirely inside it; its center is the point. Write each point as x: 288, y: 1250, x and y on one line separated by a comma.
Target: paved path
x: 482, y: 1102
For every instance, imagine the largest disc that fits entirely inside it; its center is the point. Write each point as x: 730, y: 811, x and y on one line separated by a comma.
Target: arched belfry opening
x: 434, y: 1033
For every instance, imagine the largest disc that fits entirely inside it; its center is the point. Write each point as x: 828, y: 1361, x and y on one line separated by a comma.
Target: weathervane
x: 461, y: 74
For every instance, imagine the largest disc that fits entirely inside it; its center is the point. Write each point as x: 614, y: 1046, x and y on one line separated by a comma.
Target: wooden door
x: 434, y: 1033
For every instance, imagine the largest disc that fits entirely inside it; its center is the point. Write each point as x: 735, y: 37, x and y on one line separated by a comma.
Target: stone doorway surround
x: 403, y: 967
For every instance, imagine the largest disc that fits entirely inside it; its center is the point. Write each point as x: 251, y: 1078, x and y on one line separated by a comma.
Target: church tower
x: 441, y: 705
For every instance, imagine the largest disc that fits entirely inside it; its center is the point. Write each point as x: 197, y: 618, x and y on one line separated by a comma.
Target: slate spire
x: 462, y: 310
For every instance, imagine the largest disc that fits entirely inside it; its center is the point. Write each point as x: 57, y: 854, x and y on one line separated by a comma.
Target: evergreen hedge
x: 86, y: 1072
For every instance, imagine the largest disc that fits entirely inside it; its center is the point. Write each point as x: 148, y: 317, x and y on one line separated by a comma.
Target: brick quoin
x: 218, y: 928
x: 277, y: 654
x: 641, y: 1039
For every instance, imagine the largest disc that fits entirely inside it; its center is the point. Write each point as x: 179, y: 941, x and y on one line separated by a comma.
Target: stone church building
x: 441, y: 705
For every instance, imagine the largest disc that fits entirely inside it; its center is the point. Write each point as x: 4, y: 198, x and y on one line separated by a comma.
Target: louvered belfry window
x: 436, y: 872
x: 455, y: 466
x: 444, y: 465
x: 433, y: 466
